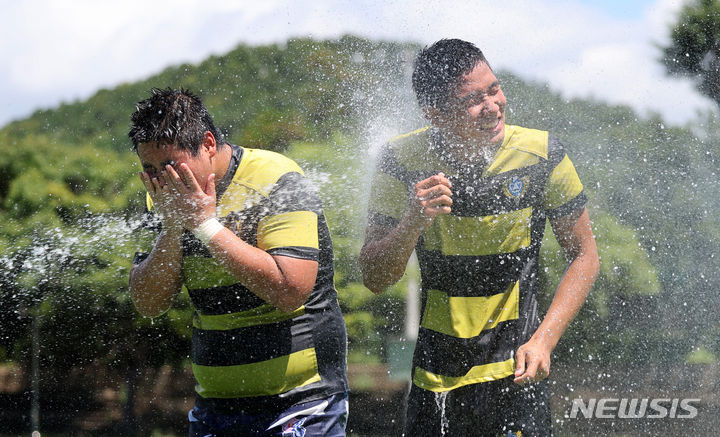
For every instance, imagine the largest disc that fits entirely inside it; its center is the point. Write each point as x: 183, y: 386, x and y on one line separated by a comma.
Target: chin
x: 496, y: 136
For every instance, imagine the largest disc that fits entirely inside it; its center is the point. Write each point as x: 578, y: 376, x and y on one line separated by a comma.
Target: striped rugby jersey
x: 479, y: 264
x: 246, y: 354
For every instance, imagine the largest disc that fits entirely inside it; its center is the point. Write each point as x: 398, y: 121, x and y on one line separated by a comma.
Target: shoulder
x: 264, y: 168
x: 413, y: 151
x: 410, y: 143
x: 418, y: 136
x: 533, y: 141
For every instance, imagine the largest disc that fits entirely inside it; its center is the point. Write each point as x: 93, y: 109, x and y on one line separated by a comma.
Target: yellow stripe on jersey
x: 388, y: 196
x: 263, y: 378
x: 483, y: 373
x: 507, y: 160
x: 260, y: 169
x: 472, y: 236
x: 532, y: 142
x: 563, y: 185
x: 467, y: 317
x: 290, y: 229
x: 255, y: 178
x: 261, y: 315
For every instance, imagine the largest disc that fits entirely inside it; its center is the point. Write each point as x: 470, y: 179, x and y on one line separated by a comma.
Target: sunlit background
x: 327, y: 83
x: 57, y: 51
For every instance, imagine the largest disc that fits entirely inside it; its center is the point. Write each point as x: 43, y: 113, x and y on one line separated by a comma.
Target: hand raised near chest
x: 433, y: 197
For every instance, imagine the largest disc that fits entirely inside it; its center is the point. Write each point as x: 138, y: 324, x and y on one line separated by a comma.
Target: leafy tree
x: 68, y: 230
x: 694, y: 49
x: 608, y: 323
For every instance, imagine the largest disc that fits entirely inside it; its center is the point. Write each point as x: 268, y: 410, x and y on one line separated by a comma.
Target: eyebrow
x: 162, y: 164
x: 480, y: 93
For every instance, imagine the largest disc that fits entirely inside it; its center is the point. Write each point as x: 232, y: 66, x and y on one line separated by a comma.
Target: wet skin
x: 473, y: 120
x: 182, y: 187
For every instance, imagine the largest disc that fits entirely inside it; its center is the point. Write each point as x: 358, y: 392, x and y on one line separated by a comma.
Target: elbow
x: 369, y: 278
x: 372, y: 284
x: 149, y: 312
x: 292, y: 300
x: 140, y: 297
x: 145, y: 308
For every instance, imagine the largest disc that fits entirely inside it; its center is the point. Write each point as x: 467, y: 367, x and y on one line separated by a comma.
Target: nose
x: 490, y: 105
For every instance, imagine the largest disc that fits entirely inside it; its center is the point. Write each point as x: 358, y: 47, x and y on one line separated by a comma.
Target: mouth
x: 489, y: 126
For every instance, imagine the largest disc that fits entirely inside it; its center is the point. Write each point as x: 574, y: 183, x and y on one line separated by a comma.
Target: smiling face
x: 475, y: 113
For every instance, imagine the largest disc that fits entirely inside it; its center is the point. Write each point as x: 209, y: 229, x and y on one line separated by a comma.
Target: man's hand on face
x: 433, y: 197
x: 159, y: 194
x: 179, y: 199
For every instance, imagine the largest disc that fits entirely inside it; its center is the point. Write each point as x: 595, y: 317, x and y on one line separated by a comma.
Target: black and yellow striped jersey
x: 246, y: 354
x: 479, y: 264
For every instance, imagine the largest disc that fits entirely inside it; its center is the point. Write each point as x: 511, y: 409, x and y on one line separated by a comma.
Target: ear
x: 209, y: 144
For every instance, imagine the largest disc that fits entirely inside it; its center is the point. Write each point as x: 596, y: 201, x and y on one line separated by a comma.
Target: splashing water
x: 55, y: 255
x: 440, y: 400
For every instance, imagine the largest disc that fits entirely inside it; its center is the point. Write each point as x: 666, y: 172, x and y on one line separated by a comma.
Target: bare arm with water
x: 283, y: 281
x: 574, y: 234
x: 386, y: 250
x: 155, y: 280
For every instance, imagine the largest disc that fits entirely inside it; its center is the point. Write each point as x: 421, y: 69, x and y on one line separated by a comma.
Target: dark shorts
x: 325, y: 417
x: 493, y: 409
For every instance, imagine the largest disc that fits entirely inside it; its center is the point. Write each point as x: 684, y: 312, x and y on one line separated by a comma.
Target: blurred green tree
x: 694, y: 48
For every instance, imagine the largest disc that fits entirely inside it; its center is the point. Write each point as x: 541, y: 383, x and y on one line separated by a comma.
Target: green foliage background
x: 70, y: 202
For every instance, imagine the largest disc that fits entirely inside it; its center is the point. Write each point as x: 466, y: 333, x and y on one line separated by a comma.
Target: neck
x: 222, y: 162
x: 470, y: 151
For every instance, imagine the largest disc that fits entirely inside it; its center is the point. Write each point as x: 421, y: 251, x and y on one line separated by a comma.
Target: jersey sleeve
x: 291, y: 226
x: 388, y: 198
x: 564, y: 192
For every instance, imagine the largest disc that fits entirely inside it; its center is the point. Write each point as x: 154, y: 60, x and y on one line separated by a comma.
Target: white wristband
x: 207, y: 229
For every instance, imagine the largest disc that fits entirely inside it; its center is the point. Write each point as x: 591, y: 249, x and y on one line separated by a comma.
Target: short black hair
x: 438, y: 69
x: 172, y: 116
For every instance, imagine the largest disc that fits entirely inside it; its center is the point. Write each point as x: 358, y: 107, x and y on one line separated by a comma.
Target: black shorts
x: 493, y: 409
x: 324, y: 417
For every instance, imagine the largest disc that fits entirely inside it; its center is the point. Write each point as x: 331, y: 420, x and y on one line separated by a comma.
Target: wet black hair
x: 438, y: 70
x: 172, y: 116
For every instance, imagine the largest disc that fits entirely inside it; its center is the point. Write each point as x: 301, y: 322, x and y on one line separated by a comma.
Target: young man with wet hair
x: 244, y: 232
x: 471, y: 195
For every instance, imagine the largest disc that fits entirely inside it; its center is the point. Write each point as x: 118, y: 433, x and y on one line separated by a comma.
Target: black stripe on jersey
x: 556, y: 151
x: 224, y: 300
x: 486, y: 196
x: 451, y: 356
x: 294, y: 192
x: 235, y: 158
x: 387, y: 163
x: 472, y: 276
x: 308, y: 253
x: 251, y: 344
x: 578, y: 202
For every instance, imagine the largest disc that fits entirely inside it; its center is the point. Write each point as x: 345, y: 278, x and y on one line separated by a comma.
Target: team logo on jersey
x: 515, y: 187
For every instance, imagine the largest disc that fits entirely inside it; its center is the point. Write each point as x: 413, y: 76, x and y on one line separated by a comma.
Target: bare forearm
x: 571, y: 293
x: 156, y: 280
x: 383, y: 261
x: 385, y: 254
x: 264, y: 275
